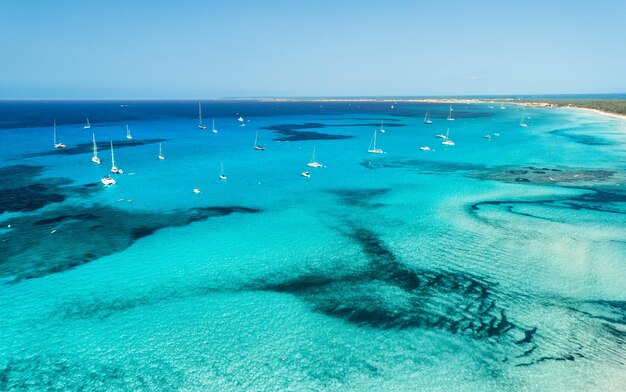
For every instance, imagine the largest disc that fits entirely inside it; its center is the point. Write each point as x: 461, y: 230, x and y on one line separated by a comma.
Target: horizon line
x: 326, y: 97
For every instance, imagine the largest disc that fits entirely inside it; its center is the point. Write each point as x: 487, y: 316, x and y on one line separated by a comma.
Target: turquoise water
x: 494, y: 264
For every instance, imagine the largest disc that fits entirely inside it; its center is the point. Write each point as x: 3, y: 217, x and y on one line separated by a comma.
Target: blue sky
x: 208, y: 49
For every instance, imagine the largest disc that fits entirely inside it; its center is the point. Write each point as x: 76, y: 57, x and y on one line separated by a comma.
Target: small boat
x: 222, y: 175
x: 450, y: 118
x: 440, y: 136
x: 306, y: 174
x: 128, y: 135
x: 487, y: 136
x: 161, y: 156
x: 502, y: 106
x: 213, y: 127
x: 490, y: 106
x: 95, y: 158
x: 114, y: 169
x: 256, y: 143
x: 381, y: 130
x: 57, y: 144
x: 240, y: 119
x: 447, y: 142
x: 425, y: 148
x: 108, y: 180
x: 522, y: 123
x: 496, y: 134
x: 200, y: 124
x: 372, y: 147
x: 196, y: 190
x: 427, y: 119
x: 313, y: 162
x: 88, y: 125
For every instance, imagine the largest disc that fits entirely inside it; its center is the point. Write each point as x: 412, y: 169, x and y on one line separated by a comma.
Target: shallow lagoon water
x: 413, y: 269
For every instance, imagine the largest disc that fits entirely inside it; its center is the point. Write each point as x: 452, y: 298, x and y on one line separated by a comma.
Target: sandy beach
x: 614, y: 115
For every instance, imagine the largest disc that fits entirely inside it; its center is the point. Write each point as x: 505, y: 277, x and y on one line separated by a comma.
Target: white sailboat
x: 222, y: 175
x: 448, y: 142
x: 54, y: 130
x: 372, y: 147
x: 88, y: 125
x: 450, y: 118
x: 502, y: 106
x: 213, y: 127
x: 313, y: 162
x: 522, y: 123
x: 427, y: 119
x: 200, y: 124
x: 425, y: 148
x: 306, y: 174
x: 256, y: 143
x: 95, y: 158
x: 114, y: 169
x: 128, y: 135
x: 381, y: 130
x: 161, y: 156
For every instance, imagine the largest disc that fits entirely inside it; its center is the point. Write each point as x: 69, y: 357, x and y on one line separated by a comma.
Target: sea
x: 498, y: 263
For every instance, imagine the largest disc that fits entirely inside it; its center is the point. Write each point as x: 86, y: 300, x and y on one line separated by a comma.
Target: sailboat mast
x: 112, y: 156
x: 95, y: 147
x: 54, y: 127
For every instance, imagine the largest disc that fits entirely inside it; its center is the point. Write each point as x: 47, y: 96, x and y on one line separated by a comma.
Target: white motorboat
x: 108, y: 181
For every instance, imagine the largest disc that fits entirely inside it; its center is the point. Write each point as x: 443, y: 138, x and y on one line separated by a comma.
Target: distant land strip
x: 609, y: 106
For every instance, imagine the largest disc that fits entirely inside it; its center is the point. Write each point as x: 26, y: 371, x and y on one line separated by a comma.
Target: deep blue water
x: 492, y: 264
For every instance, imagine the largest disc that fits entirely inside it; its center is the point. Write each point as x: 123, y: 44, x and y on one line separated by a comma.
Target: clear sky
x: 209, y: 49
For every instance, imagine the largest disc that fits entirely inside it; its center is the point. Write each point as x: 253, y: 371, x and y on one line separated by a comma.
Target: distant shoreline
x: 535, y: 104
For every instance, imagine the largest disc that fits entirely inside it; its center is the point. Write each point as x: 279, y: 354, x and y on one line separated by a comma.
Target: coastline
x: 570, y: 106
x: 596, y: 111
x: 469, y: 101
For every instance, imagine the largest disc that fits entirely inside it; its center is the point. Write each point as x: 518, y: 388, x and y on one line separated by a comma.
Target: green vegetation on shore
x: 617, y: 106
